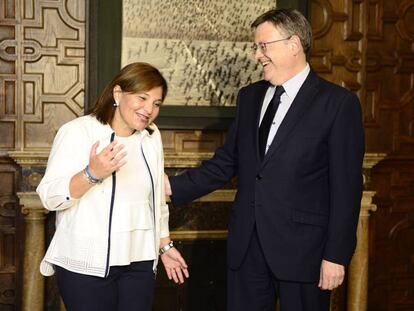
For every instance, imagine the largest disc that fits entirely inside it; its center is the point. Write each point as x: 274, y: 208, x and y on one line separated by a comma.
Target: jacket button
x: 258, y: 177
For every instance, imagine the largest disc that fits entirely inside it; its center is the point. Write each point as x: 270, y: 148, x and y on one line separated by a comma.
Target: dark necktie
x: 268, y: 119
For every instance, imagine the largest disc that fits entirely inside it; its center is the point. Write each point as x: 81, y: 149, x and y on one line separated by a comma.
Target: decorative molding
x: 185, y: 159
x: 322, y: 60
x: 372, y: 159
x: 224, y: 195
x: 405, y: 63
x: 404, y: 23
x: 171, y: 159
x: 374, y: 20
x: 30, y: 158
x: 31, y: 203
x: 199, y: 235
x: 321, y: 18
x: 354, y: 23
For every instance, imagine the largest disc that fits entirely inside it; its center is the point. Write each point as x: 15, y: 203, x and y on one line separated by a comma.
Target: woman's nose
x: 148, y: 106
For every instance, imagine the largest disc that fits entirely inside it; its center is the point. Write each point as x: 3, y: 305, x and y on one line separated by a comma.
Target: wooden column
x: 358, y: 269
x: 34, y: 250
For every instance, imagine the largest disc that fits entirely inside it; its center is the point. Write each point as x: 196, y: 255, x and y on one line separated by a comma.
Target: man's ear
x: 295, y: 45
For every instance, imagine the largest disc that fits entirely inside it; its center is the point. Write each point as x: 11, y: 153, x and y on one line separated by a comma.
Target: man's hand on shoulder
x: 331, y: 276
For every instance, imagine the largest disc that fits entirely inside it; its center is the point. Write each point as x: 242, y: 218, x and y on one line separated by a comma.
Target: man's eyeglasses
x: 263, y: 45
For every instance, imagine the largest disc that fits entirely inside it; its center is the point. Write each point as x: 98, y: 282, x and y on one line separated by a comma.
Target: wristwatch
x: 166, y: 247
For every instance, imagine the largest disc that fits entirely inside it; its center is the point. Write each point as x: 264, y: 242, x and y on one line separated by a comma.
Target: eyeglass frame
x: 263, y: 45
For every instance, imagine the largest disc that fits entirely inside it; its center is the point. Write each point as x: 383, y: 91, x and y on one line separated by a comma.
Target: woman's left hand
x: 175, y: 265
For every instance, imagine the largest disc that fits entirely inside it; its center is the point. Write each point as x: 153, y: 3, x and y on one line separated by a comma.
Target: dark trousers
x: 254, y: 287
x: 127, y: 288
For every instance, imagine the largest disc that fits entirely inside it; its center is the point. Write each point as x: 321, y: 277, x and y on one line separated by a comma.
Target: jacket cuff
x: 55, y: 195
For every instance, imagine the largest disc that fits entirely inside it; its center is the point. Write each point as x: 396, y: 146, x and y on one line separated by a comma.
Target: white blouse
x: 132, y: 236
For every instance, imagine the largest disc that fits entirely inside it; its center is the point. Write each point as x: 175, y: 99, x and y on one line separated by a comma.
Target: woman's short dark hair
x: 290, y: 22
x: 133, y: 78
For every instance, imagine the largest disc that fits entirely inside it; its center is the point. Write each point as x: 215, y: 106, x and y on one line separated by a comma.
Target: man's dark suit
x: 304, y: 197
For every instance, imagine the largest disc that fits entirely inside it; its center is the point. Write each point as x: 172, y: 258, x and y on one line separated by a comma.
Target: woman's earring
x: 116, y: 103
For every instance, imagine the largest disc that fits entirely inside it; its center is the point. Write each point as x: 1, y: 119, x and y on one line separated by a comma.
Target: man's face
x: 276, y: 58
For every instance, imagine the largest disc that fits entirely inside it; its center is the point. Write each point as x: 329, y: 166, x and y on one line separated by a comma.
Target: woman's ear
x: 116, y: 93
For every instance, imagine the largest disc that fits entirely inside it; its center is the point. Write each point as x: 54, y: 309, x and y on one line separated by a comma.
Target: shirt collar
x: 293, y: 85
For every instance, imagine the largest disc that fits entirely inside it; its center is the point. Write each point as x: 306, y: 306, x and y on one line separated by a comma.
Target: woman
x: 104, y: 179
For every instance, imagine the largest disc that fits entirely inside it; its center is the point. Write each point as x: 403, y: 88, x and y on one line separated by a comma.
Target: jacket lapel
x: 302, y: 101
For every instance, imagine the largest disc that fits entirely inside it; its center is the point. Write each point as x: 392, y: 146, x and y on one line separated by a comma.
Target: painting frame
x: 103, y: 53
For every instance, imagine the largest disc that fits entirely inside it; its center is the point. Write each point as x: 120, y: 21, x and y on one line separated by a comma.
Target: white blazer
x: 81, y: 241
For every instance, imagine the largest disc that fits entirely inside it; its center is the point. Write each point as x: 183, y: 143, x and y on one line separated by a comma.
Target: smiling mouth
x: 265, y: 62
x: 144, y: 117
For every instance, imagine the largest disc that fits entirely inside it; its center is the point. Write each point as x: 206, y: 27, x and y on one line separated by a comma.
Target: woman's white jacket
x: 81, y: 242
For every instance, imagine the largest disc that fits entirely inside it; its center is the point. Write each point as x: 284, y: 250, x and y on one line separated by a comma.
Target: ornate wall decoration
x: 42, y: 61
x: 203, y: 50
x: 392, y: 252
x: 42, y: 56
x: 367, y: 46
x: 9, y: 236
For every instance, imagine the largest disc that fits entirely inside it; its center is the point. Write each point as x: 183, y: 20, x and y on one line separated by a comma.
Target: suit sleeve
x: 213, y: 173
x: 346, y: 153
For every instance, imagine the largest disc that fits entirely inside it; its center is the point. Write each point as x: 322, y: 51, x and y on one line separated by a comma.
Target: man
x: 296, y: 146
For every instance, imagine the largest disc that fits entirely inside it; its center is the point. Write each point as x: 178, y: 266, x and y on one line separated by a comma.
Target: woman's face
x: 135, y: 111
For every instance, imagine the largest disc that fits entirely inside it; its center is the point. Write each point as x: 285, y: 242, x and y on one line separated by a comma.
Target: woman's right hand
x: 110, y: 159
x: 100, y: 166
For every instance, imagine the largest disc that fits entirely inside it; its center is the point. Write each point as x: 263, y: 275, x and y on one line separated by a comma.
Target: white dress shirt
x: 291, y: 87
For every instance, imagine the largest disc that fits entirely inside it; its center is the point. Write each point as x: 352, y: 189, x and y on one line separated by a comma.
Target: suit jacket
x: 304, y: 197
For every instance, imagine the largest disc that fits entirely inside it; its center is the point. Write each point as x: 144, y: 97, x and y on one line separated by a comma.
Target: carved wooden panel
x: 178, y: 141
x: 42, y: 61
x: 9, y: 237
x: 390, y: 70
x: 367, y: 46
x: 392, y: 237
x: 389, y: 116
x: 336, y: 52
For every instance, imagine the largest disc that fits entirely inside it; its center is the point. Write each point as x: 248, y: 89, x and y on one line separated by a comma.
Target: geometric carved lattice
x: 42, y: 58
x: 42, y: 64
x: 368, y: 47
x: 390, y: 76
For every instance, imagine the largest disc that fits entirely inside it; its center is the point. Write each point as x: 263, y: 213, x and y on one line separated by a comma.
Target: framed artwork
x: 204, y: 52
